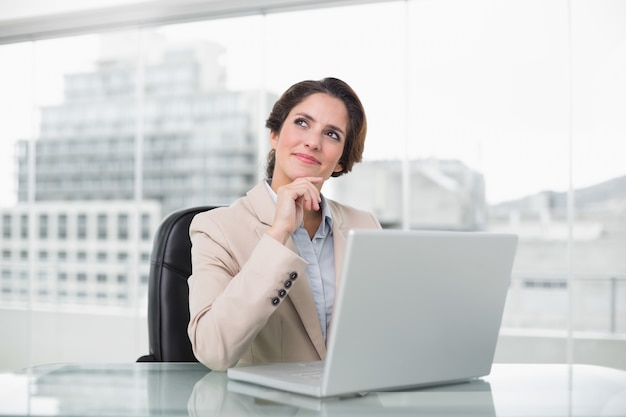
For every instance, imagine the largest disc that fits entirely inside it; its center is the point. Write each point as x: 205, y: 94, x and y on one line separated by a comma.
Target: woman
x: 264, y: 269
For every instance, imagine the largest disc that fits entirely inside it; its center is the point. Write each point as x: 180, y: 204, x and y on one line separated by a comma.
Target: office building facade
x: 183, y: 140
x: 444, y: 194
x: 76, y: 253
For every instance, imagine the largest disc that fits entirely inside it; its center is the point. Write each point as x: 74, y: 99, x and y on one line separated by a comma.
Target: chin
x: 306, y: 173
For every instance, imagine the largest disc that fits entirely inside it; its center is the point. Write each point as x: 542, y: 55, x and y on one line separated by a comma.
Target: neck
x: 312, y: 220
x: 312, y: 215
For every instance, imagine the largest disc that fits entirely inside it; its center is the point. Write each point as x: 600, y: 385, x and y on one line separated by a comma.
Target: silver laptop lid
x: 417, y: 308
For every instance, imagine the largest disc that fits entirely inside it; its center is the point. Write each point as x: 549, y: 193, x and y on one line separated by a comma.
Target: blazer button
x: 275, y: 301
x: 282, y: 292
x: 287, y: 284
x: 293, y: 276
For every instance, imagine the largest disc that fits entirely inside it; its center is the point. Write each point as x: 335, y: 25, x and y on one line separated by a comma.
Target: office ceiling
x: 34, y: 19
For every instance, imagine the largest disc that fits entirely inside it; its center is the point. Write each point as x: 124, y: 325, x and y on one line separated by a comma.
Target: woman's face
x: 311, y: 140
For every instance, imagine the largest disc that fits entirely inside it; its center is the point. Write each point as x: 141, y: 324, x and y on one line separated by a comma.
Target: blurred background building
x: 198, y: 140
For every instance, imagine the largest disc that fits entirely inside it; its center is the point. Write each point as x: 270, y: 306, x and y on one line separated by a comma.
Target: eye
x: 333, y: 135
x: 301, y: 122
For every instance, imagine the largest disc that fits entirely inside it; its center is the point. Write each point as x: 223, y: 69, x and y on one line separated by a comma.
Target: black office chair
x: 168, y: 292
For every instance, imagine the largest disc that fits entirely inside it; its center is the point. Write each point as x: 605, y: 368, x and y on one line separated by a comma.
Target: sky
x: 493, y: 83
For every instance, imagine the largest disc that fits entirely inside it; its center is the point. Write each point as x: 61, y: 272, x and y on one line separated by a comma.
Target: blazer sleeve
x: 232, y: 291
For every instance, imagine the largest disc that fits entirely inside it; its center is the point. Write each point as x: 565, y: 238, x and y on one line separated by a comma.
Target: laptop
x: 413, y: 309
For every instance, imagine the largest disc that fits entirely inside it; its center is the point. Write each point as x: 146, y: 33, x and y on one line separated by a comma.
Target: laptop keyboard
x: 309, y: 371
x: 312, y: 374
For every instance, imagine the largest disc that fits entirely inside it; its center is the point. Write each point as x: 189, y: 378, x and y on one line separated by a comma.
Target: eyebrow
x: 333, y: 127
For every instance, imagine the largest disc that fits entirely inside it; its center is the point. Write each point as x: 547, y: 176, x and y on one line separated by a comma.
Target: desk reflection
x: 109, y: 390
x: 182, y: 389
x: 215, y: 395
x: 189, y: 389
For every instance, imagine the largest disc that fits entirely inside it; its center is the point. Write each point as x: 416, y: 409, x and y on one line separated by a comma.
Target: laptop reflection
x: 471, y: 398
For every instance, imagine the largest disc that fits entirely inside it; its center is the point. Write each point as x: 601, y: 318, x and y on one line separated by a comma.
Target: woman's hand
x: 292, y: 201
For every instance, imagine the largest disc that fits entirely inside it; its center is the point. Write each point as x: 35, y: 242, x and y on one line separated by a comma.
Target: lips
x: 307, y: 159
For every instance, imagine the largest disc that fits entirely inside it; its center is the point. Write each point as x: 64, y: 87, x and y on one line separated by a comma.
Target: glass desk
x: 188, y: 389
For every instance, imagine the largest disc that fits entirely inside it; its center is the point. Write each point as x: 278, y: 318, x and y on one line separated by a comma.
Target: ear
x: 338, y: 168
x: 273, y: 139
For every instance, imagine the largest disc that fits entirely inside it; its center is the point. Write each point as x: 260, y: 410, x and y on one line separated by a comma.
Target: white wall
x: 533, y: 346
x: 124, y: 338
x: 38, y: 337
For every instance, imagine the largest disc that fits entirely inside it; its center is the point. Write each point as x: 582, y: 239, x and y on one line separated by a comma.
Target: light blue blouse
x: 319, y: 253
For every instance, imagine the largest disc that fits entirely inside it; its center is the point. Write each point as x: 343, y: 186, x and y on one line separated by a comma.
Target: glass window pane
x: 73, y: 165
x: 599, y: 172
x: 475, y: 122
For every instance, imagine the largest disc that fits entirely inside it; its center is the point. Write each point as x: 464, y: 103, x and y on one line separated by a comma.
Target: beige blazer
x: 239, y: 313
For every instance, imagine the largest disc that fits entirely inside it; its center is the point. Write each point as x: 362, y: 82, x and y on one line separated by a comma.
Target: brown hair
x: 357, y: 122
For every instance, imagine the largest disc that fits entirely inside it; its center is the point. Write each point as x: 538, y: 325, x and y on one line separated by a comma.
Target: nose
x: 312, y: 141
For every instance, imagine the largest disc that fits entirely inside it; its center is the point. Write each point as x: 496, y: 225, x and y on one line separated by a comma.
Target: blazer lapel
x: 300, y: 295
x: 339, y: 242
x: 340, y: 233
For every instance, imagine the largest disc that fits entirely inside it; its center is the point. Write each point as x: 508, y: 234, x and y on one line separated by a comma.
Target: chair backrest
x: 168, y: 291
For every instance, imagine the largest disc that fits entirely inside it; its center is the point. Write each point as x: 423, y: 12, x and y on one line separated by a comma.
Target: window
x: 474, y: 123
x: 122, y: 226
x: 62, y: 226
x: 6, y: 226
x: 43, y: 226
x: 81, y: 224
x: 102, y: 227
x: 146, y: 230
x: 24, y: 226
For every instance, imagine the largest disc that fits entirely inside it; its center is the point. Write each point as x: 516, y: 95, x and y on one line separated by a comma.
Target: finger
x: 302, y: 188
x: 312, y: 198
x: 315, y: 190
x: 314, y: 180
